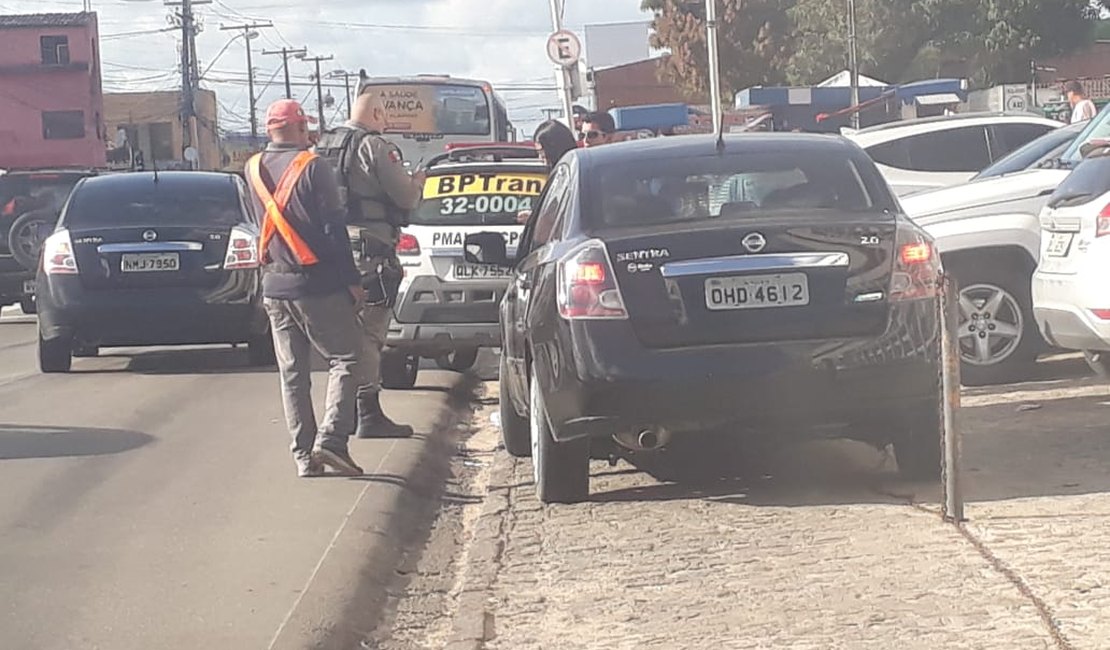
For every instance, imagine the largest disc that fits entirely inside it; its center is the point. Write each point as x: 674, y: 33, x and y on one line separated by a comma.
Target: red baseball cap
x: 285, y: 112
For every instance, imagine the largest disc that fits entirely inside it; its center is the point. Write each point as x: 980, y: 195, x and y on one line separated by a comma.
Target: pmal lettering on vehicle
x: 455, y: 238
x: 456, y: 184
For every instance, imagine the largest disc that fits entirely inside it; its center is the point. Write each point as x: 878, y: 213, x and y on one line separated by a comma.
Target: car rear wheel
x: 562, y: 469
x: 260, y: 350
x: 918, y: 449
x: 515, y: 432
x: 399, y: 370
x: 55, y: 355
x: 458, y: 360
x: 998, y: 336
x: 27, y: 234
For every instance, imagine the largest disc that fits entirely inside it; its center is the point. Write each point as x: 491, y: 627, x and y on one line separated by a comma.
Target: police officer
x: 380, y: 193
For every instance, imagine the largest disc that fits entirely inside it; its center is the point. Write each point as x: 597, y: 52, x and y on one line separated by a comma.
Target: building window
x: 63, y: 125
x: 55, y: 50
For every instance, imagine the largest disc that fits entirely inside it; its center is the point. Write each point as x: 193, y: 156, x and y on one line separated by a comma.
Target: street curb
x: 366, y: 556
x: 474, y: 624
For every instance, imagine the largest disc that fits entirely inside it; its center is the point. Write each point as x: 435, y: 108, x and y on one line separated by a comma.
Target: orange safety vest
x: 274, y: 221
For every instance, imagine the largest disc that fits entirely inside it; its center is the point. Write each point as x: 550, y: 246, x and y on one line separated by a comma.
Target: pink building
x: 51, y: 103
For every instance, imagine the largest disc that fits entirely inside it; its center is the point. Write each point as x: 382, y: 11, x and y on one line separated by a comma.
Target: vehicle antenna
x: 154, y: 166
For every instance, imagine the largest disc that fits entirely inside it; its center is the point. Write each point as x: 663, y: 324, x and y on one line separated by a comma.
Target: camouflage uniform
x: 380, y: 193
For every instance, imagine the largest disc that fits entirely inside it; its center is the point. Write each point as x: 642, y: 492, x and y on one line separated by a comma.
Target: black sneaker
x: 340, y: 461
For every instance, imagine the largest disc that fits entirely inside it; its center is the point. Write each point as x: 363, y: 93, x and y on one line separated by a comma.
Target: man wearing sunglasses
x: 598, y: 129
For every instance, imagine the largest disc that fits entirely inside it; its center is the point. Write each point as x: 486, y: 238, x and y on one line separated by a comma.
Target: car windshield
x: 107, y: 204
x: 477, y: 198
x: 1034, y: 153
x: 1096, y: 129
x: 656, y: 191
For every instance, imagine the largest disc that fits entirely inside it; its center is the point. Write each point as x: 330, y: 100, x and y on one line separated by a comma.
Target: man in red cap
x: 311, y: 288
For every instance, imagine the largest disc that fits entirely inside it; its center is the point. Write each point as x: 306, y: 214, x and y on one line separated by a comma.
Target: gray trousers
x: 375, y: 329
x: 328, y: 324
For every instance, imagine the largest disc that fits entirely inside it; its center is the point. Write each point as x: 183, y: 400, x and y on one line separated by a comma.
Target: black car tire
x: 562, y: 469
x: 1016, y: 284
x: 1099, y: 361
x: 919, y: 448
x: 23, y: 241
x: 399, y: 370
x: 55, y: 355
x: 515, y: 432
x: 458, y: 360
x: 260, y: 350
x: 27, y: 304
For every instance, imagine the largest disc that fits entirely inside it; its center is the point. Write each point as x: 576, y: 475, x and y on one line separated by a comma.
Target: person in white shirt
x: 1082, y: 108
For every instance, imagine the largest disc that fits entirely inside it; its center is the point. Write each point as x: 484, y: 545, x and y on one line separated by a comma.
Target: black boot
x: 373, y: 423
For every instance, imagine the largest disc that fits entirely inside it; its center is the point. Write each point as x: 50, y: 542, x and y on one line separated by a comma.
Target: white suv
x: 989, y: 235
x: 932, y: 152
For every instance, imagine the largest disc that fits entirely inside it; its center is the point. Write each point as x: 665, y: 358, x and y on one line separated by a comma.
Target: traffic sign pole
x: 564, y: 49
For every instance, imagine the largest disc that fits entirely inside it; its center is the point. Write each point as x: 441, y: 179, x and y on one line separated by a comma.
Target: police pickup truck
x: 447, y: 308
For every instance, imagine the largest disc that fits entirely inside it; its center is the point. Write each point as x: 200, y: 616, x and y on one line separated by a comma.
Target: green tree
x: 754, y: 40
x: 988, y: 41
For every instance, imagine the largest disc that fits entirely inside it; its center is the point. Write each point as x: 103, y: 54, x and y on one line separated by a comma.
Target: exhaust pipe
x: 643, y: 440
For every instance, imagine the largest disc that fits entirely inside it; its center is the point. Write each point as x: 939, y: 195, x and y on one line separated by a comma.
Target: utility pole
x: 248, y: 30
x: 189, y: 75
x: 346, y: 76
x: 319, y: 86
x: 562, y: 75
x: 285, y: 54
x: 853, y: 62
x: 714, y: 64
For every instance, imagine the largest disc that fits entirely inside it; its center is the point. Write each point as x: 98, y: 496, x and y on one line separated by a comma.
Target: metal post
x: 561, y: 73
x: 853, y: 61
x: 320, y: 88
x: 247, y: 36
x: 712, y: 27
x: 285, y: 54
x: 188, y: 107
x: 347, y: 86
x: 950, y: 377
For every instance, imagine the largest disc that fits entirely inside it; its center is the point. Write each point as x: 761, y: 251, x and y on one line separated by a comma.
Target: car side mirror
x: 486, y: 248
x: 1090, y: 147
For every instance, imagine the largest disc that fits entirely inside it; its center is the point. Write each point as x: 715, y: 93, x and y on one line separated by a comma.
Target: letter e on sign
x: 564, y: 48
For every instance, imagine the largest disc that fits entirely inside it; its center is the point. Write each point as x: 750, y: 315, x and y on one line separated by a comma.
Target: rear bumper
x: 438, y: 339
x: 12, y: 279
x: 1061, y: 307
x: 229, y: 313
x: 865, y: 389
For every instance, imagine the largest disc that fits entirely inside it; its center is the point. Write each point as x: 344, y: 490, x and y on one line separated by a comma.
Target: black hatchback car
x: 763, y: 283
x: 144, y: 259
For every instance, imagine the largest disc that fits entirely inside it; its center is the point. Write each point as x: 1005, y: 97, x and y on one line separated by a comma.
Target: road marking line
x: 328, y: 550
x: 1048, y: 394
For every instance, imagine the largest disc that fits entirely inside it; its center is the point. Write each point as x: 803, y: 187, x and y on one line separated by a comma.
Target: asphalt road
x: 149, y: 501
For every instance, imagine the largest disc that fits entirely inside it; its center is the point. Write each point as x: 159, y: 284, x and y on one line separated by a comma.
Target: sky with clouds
x: 502, y: 41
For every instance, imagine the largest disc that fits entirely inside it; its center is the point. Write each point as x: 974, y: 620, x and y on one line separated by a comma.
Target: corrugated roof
x: 45, y: 20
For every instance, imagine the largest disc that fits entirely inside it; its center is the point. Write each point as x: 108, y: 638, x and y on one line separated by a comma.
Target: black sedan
x: 764, y: 283
x: 148, y: 259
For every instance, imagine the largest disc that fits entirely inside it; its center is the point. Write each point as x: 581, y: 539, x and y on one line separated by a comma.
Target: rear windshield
x: 477, y: 198
x: 1090, y: 180
x: 193, y: 204
x: 654, y: 191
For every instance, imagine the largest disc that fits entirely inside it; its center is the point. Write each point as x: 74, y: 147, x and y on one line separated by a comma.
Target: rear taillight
x: 916, y: 266
x: 587, y: 287
x: 57, y: 254
x: 1102, y: 226
x: 242, y: 250
x: 1101, y: 314
x: 408, y: 245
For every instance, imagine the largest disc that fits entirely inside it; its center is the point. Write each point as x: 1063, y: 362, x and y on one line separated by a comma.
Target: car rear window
x: 1087, y: 182
x: 478, y: 198
x: 112, y: 204
x: 652, y: 191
